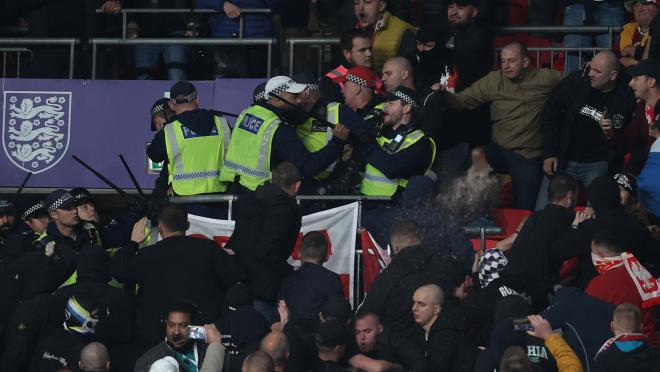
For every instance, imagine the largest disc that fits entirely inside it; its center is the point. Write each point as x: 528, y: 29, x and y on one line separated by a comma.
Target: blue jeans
x: 174, y: 56
x: 266, y: 309
x: 526, y: 174
x: 581, y: 172
x: 604, y: 14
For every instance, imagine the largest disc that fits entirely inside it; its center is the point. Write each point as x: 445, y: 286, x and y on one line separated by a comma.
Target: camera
x: 196, y: 333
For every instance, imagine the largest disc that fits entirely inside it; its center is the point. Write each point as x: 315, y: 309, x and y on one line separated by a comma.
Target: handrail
x: 560, y: 29
x: 71, y: 42
x: 125, y: 12
x: 226, y: 198
x: 182, y: 41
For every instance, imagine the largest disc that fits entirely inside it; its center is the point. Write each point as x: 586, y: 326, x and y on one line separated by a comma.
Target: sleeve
x: 554, y: 115
x: 157, y: 150
x: 566, y: 359
x: 125, y: 264
x: 626, y: 36
x: 228, y: 269
x: 443, y: 350
x: 288, y: 147
x: 209, y: 4
x: 407, y: 354
x: 214, y: 358
x: 408, y: 45
x: 404, y: 164
x: 474, y: 95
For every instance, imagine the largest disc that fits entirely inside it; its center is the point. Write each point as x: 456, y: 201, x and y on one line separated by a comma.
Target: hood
x: 603, y: 194
x: 199, y: 121
x: 93, y: 265
x: 35, y: 275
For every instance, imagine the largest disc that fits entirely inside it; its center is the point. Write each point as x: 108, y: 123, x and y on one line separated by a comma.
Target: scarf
x: 647, y: 286
x: 621, y: 338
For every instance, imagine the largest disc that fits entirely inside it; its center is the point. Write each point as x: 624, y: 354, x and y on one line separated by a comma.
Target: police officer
x: 194, y: 144
x: 262, y: 138
x: 161, y: 114
x: 36, y: 217
x: 362, y: 108
x: 401, y: 151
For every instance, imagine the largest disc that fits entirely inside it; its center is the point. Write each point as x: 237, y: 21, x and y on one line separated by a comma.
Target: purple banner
x: 45, y: 122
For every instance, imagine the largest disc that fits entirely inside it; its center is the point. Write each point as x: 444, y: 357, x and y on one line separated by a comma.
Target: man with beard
x: 8, y: 225
x: 188, y: 353
x: 262, y: 139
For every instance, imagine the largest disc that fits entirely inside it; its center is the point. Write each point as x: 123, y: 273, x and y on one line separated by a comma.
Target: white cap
x: 166, y: 364
x: 279, y: 84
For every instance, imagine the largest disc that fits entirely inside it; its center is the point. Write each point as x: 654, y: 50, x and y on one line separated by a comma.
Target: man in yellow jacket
x: 390, y: 35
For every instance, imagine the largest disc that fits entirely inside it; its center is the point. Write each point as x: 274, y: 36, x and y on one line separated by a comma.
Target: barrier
x: 22, y: 42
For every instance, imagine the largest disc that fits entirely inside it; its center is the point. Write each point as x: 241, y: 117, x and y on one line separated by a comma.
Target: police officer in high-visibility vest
x: 194, y: 144
x: 362, y: 108
x: 262, y: 139
x: 401, y: 151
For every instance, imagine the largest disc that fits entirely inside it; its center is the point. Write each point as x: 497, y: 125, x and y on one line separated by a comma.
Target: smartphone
x: 522, y: 325
x: 196, y: 333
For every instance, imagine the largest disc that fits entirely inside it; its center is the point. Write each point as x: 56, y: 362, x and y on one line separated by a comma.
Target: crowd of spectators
x: 573, y: 288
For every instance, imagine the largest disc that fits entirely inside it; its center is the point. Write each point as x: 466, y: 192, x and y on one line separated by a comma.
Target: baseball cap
x: 631, y: 3
x: 336, y: 308
x: 308, y: 79
x: 259, y: 93
x: 331, y: 334
x: 183, y: 92
x: 279, y: 84
x: 81, y: 195
x: 6, y: 206
x: 360, y: 75
x: 238, y: 295
x: 37, y: 209
x: 648, y: 67
x: 59, y: 199
x: 405, y: 94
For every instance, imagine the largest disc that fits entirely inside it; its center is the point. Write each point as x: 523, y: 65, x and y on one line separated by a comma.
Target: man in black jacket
x: 538, y: 253
x: 267, y: 226
x: 177, y: 268
x: 382, y: 347
x: 583, y: 121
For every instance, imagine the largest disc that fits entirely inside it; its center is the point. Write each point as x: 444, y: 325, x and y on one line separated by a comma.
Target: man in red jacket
x: 621, y: 278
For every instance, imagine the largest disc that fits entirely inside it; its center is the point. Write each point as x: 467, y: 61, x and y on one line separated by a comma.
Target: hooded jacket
x: 625, y: 356
x: 267, y: 227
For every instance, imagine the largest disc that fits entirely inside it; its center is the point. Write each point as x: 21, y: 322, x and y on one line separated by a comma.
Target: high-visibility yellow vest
x: 375, y: 183
x: 195, y: 161
x: 248, y: 156
x: 315, y: 139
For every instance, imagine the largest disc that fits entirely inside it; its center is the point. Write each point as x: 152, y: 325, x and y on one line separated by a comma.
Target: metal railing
x: 18, y: 52
x: 125, y: 12
x: 183, y: 41
x: 481, y: 231
x: 22, y: 42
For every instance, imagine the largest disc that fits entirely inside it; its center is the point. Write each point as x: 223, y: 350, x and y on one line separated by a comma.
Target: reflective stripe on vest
x: 248, y: 156
x: 375, y: 183
x: 193, y: 168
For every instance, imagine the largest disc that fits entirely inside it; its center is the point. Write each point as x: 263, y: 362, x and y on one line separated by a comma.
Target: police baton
x: 20, y: 188
x: 303, y: 111
x: 132, y: 176
x: 100, y: 176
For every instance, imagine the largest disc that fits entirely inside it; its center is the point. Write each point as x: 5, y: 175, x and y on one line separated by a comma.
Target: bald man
x: 258, y: 361
x: 276, y: 345
x: 94, y: 357
x: 448, y: 346
x: 397, y: 71
x: 584, y: 121
x: 517, y: 95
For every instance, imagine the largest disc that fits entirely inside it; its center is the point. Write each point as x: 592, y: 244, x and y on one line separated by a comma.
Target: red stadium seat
x: 508, y: 220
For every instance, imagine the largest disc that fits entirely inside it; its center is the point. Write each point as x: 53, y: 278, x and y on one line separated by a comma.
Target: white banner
x: 338, y: 224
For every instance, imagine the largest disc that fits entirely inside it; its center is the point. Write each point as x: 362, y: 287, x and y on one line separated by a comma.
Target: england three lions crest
x: 36, y: 128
